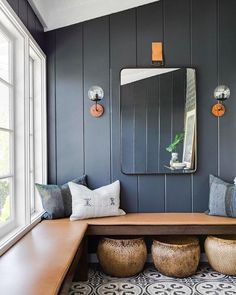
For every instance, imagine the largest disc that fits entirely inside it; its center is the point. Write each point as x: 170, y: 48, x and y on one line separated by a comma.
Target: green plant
x: 179, y: 137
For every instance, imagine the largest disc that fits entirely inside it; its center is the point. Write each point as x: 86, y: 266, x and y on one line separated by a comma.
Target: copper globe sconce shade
x: 96, y: 94
x: 221, y: 93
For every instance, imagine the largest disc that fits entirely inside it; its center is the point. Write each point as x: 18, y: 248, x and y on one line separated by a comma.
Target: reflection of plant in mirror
x: 179, y: 137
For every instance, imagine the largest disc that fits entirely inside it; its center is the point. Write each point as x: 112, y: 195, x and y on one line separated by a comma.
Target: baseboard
x: 92, y: 258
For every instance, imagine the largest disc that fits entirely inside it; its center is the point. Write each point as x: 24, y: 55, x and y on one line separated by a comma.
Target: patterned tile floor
x: 206, y: 281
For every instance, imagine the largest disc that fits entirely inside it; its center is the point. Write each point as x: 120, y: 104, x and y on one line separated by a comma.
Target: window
x: 36, y: 121
x: 22, y: 128
x: 6, y: 134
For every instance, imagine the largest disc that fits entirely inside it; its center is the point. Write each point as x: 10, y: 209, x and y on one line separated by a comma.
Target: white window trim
x: 39, y: 150
x: 9, y: 83
x: 29, y: 41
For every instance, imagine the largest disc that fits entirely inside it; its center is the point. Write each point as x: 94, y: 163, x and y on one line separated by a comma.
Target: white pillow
x: 104, y: 201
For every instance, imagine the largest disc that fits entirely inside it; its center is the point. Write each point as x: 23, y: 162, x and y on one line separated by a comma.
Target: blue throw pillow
x: 57, y: 199
x: 222, y: 199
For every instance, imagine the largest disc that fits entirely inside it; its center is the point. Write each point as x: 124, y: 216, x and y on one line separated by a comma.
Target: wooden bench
x: 39, y: 263
x: 162, y: 224
x: 45, y: 260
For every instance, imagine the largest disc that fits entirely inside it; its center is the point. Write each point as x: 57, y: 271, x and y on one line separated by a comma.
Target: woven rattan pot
x: 122, y: 258
x: 176, y: 256
x: 221, y: 253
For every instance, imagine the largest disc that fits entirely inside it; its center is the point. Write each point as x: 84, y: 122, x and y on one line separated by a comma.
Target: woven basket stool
x: 122, y: 258
x: 176, y: 256
x: 221, y: 253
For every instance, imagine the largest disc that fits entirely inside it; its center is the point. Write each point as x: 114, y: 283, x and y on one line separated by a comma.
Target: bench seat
x: 153, y: 219
x: 152, y: 224
x: 162, y: 219
x: 158, y: 224
x: 39, y: 262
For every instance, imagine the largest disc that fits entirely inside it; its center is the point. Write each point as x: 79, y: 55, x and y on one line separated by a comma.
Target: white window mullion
x: 37, y: 134
x: 27, y: 140
x: 31, y: 135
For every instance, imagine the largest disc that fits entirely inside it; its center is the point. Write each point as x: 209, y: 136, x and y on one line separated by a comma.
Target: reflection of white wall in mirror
x: 190, y: 91
x: 189, y: 136
x: 132, y: 75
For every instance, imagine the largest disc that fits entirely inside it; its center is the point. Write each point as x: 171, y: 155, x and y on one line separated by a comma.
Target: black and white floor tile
x: 150, y: 282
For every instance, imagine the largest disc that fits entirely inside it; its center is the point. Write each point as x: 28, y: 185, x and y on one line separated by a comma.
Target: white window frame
x: 39, y: 119
x: 5, y: 228
x: 24, y: 220
x: 32, y: 155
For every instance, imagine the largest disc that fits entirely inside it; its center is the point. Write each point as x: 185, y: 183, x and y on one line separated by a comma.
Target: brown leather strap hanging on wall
x: 157, y: 53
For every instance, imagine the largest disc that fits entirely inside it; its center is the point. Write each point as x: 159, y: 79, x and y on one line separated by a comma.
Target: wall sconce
x: 221, y: 93
x: 96, y: 94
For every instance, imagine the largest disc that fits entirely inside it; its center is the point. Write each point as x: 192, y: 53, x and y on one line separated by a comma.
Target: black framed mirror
x: 158, y: 120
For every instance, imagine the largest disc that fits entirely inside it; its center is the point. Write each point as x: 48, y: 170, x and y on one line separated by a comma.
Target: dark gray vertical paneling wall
x: 69, y: 109
x: 96, y: 72
x: 51, y: 107
x: 123, y: 48
x: 204, y: 57
x: 195, y: 33
x: 177, y: 44
x: 23, y: 9
x: 151, y: 188
x: 227, y: 75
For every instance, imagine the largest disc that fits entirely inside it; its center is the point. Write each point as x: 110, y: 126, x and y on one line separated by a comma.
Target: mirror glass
x: 158, y: 120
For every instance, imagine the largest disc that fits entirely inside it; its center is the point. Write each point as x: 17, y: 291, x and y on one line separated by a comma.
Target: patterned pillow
x: 222, y: 200
x: 104, y: 201
x: 56, y: 199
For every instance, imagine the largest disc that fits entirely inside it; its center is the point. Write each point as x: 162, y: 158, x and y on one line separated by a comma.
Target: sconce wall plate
x: 218, y: 110
x: 221, y: 93
x: 96, y: 110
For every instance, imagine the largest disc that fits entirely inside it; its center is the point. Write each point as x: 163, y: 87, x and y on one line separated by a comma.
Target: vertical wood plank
x: 23, y: 14
x: 166, y: 118
x: 177, y: 52
x: 151, y: 193
x: 122, y: 54
x: 69, y: 103
x: 50, y: 39
x: 127, y: 128
x: 39, y: 33
x: 152, y: 124
x: 15, y: 5
x: 23, y: 9
x: 227, y: 76
x: 139, y: 131
x: 31, y: 25
x: 204, y: 58
x: 149, y: 29
x: 97, y: 130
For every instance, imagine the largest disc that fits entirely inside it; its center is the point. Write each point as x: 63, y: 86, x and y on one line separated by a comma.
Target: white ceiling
x: 61, y: 13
